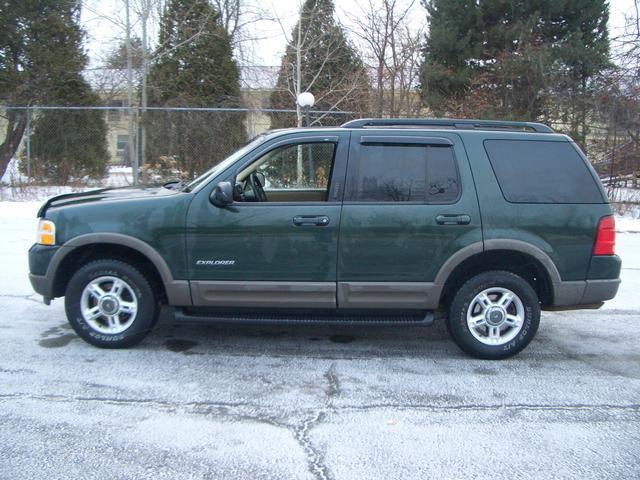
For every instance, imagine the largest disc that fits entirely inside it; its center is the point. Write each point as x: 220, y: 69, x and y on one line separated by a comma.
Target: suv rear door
x: 409, y: 206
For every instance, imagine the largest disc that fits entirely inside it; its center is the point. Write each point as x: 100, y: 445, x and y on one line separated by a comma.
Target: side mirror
x: 222, y: 195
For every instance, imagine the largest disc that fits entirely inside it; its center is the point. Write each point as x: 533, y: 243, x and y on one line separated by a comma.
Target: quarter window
x: 532, y: 171
x: 403, y: 173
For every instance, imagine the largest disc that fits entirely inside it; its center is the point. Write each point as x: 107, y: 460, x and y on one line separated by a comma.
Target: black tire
x: 461, y: 331
x: 139, y: 325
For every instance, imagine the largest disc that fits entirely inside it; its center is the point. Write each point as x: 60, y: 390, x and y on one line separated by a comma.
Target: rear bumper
x: 600, y: 290
x: 584, y: 293
x: 601, y: 284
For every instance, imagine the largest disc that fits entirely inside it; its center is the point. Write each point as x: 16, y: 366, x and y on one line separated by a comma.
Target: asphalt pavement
x: 323, y: 403
x: 194, y: 402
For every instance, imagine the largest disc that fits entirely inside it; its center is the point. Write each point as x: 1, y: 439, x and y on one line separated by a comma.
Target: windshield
x: 223, y: 165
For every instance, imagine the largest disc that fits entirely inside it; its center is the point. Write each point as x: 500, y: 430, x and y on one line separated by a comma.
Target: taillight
x: 606, y: 237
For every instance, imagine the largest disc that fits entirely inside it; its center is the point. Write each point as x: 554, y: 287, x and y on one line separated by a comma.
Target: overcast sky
x: 103, y: 19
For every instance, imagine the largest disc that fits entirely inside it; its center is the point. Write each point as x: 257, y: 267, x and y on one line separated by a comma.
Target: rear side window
x: 531, y: 171
x: 403, y: 173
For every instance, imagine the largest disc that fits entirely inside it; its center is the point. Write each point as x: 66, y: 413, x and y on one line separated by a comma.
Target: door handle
x: 311, y: 220
x: 453, y: 219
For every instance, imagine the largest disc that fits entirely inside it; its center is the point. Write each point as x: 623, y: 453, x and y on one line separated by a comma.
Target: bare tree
x: 392, y: 50
x: 618, y: 152
x: 236, y: 16
x: 319, y: 59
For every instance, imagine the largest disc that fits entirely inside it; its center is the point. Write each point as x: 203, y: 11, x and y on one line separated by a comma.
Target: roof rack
x: 451, y: 123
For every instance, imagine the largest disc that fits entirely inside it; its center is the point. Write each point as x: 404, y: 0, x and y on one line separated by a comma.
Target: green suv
x: 379, y: 221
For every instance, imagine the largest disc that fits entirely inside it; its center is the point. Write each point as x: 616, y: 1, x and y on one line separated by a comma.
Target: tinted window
x: 541, y: 172
x: 403, y: 173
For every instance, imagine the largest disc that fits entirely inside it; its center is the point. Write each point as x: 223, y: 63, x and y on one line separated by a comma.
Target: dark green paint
x: 40, y: 256
x: 604, y: 267
x: 364, y: 242
x: 154, y: 215
x: 565, y: 232
x: 261, y: 238
x: 401, y: 242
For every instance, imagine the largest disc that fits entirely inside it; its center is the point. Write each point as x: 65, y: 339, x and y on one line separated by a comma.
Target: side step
x: 421, y: 319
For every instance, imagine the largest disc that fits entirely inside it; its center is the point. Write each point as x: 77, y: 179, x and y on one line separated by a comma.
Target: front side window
x: 403, y: 173
x: 291, y: 173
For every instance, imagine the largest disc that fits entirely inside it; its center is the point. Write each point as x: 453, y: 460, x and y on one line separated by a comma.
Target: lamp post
x: 306, y: 100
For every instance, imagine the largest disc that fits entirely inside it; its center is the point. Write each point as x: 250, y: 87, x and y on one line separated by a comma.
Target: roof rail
x: 449, y: 122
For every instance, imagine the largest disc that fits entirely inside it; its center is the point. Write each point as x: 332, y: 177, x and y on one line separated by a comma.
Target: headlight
x: 46, y: 232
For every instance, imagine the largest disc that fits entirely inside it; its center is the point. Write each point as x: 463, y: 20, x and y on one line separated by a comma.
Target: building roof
x: 252, y: 77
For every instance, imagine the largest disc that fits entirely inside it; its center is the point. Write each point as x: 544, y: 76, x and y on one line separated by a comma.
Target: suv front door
x: 410, y: 206
x: 278, y: 247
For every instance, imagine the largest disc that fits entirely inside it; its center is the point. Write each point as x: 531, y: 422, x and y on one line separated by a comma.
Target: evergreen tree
x: 41, y: 63
x: 505, y: 58
x: 117, y: 59
x: 330, y: 67
x: 194, y: 68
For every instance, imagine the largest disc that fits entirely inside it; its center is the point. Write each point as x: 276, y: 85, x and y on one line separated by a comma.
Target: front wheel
x: 110, y: 304
x: 494, y: 315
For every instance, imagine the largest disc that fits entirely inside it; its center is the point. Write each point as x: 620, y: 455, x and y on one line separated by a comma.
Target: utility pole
x: 146, y: 7
x: 132, y: 134
x: 306, y: 100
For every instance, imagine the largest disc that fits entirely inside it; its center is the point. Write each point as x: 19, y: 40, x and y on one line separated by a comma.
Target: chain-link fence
x: 91, y: 146
x: 102, y: 145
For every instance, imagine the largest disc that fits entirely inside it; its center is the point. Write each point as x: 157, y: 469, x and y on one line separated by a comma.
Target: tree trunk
x: 16, y: 124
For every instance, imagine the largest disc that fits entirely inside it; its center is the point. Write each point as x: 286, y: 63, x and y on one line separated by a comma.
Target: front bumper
x: 39, y: 259
x: 42, y: 285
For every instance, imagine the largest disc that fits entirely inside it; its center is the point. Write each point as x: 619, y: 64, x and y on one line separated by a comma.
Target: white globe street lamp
x: 306, y: 100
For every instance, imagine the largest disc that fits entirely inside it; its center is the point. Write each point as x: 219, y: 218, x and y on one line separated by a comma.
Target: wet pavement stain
x: 57, y: 342
x: 484, y: 371
x: 180, y: 346
x: 52, y: 331
x: 342, y: 338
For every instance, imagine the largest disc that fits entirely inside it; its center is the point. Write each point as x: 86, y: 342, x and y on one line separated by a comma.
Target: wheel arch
x: 518, y: 257
x: 138, y: 253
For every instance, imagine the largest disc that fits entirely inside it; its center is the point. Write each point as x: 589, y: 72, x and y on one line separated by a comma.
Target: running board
x: 422, y: 319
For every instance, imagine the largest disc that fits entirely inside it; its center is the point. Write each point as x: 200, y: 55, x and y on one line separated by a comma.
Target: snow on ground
x: 624, y: 194
x: 315, y: 403
x: 13, y: 186
x: 627, y: 224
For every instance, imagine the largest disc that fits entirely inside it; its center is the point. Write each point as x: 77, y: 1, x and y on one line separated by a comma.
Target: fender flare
x: 178, y: 292
x: 502, y: 244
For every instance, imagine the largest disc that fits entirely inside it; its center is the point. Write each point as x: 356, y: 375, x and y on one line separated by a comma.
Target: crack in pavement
x: 252, y: 412
x: 208, y: 407
x: 315, y: 461
x: 333, y: 383
x: 577, y: 407
x: 159, y: 404
x: 29, y: 297
x: 300, y: 433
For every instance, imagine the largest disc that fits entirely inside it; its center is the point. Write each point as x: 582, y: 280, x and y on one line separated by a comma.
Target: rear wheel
x: 494, y: 315
x: 110, y: 304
